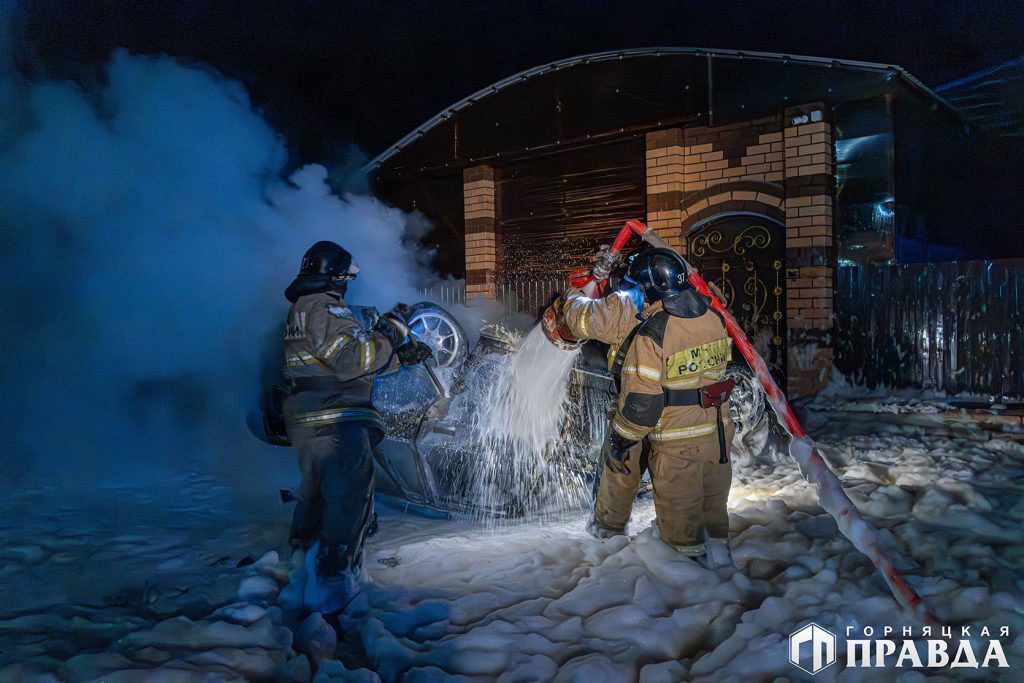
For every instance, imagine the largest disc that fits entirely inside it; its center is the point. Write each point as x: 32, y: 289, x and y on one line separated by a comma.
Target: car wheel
x: 748, y: 402
x: 438, y: 329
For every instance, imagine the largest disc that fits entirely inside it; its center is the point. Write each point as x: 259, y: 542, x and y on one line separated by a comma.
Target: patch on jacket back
x: 699, y: 358
x: 295, y: 328
x: 340, y: 311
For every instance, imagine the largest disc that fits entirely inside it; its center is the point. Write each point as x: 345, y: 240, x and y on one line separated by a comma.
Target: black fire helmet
x: 661, y: 272
x: 328, y: 258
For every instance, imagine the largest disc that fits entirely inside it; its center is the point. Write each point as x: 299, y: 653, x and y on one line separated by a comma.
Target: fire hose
x: 831, y: 495
x: 552, y: 321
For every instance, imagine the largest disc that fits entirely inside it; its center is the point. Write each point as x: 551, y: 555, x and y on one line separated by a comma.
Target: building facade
x: 767, y: 172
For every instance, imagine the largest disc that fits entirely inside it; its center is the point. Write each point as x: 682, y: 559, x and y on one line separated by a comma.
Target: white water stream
x: 529, y: 406
x: 520, y: 426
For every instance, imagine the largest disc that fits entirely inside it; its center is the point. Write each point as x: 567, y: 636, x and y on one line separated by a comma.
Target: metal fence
x: 527, y: 296
x: 955, y: 327
x: 446, y: 294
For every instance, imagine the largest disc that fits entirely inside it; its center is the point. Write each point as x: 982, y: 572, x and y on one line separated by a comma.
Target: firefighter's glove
x: 414, y: 352
x: 402, y: 312
x: 618, y: 453
x: 394, y: 333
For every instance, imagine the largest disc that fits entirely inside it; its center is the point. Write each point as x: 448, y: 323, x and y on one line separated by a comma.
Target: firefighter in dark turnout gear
x: 330, y: 362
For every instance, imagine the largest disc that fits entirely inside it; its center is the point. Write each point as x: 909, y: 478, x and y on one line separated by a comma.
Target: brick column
x: 481, y: 227
x: 665, y: 190
x: 810, y: 250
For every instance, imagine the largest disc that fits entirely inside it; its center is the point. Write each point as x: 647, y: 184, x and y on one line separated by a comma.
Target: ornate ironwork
x: 754, y: 237
x: 744, y: 258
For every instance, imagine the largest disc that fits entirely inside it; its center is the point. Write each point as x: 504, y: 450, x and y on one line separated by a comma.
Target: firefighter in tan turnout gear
x: 610, y: 319
x: 672, y: 393
x: 330, y: 362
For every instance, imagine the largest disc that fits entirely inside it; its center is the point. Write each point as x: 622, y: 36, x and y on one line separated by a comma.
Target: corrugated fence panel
x: 955, y: 327
x: 556, y: 211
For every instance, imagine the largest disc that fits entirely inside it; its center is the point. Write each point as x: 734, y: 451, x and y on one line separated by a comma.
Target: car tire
x: 748, y: 402
x: 438, y: 329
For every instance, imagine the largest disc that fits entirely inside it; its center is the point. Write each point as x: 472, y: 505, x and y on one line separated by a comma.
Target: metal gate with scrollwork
x: 744, y: 256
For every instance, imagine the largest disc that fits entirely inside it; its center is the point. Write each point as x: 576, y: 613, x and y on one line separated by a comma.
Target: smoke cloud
x: 147, y: 232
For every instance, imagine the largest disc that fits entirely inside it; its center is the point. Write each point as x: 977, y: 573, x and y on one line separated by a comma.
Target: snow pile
x: 117, y: 587
x: 548, y: 603
x: 843, y: 394
x: 531, y: 601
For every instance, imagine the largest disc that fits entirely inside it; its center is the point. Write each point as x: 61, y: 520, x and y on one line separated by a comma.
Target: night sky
x: 330, y: 74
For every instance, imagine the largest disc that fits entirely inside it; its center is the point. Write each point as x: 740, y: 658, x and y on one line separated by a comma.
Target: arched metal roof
x: 890, y: 72
x: 992, y: 98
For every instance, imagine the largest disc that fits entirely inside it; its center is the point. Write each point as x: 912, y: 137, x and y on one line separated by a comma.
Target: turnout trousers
x: 335, y: 499
x: 691, y: 490
x: 615, y: 491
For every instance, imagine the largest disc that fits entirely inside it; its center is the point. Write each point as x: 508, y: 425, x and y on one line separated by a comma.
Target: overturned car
x: 434, y: 456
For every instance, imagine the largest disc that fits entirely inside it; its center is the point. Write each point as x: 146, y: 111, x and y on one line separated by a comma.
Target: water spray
x: 520, y: 428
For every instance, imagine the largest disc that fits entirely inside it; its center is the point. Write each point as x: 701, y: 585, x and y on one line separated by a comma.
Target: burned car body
x: 434, y: 457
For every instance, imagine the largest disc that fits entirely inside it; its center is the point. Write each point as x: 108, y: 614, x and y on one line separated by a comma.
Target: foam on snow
x: 540, y: 601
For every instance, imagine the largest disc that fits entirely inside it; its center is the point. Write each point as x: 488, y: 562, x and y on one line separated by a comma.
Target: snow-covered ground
x: 129, y: 591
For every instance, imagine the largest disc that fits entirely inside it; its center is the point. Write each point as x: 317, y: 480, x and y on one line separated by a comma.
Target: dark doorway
x: 744, y: 255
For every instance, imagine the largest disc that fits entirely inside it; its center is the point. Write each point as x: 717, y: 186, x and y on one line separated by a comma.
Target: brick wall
x: 747, y: 151
x: 666, y: 185
x: 481, y: 232
x: 771, y: 167
x: 695, y: 173
x: 810, y: 249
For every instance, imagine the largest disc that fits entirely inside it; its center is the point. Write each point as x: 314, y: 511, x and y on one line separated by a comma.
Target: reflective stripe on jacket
x: 609, y: 319
x: 325, y: 342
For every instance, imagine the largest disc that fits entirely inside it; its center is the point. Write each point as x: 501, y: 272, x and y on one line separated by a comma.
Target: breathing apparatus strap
x: 722, y: 457
x: 620, y: 355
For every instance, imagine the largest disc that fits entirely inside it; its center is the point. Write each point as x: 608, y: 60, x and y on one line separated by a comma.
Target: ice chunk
x: 316, y: 639
x: 257, y: 588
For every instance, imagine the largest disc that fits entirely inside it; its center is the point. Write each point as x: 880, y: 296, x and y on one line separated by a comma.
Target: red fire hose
x: 605, y: 263
x: 552, y: 321
x: 813, y: 467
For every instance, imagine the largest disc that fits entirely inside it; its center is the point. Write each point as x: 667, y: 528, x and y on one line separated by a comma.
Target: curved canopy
x: 584, y: 99
x: 992, y: 98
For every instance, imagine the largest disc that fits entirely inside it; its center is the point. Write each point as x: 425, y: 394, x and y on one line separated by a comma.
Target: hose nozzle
x: 555, y: 328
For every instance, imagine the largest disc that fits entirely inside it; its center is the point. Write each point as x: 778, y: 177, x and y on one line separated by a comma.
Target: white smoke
x: 148, y: 233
